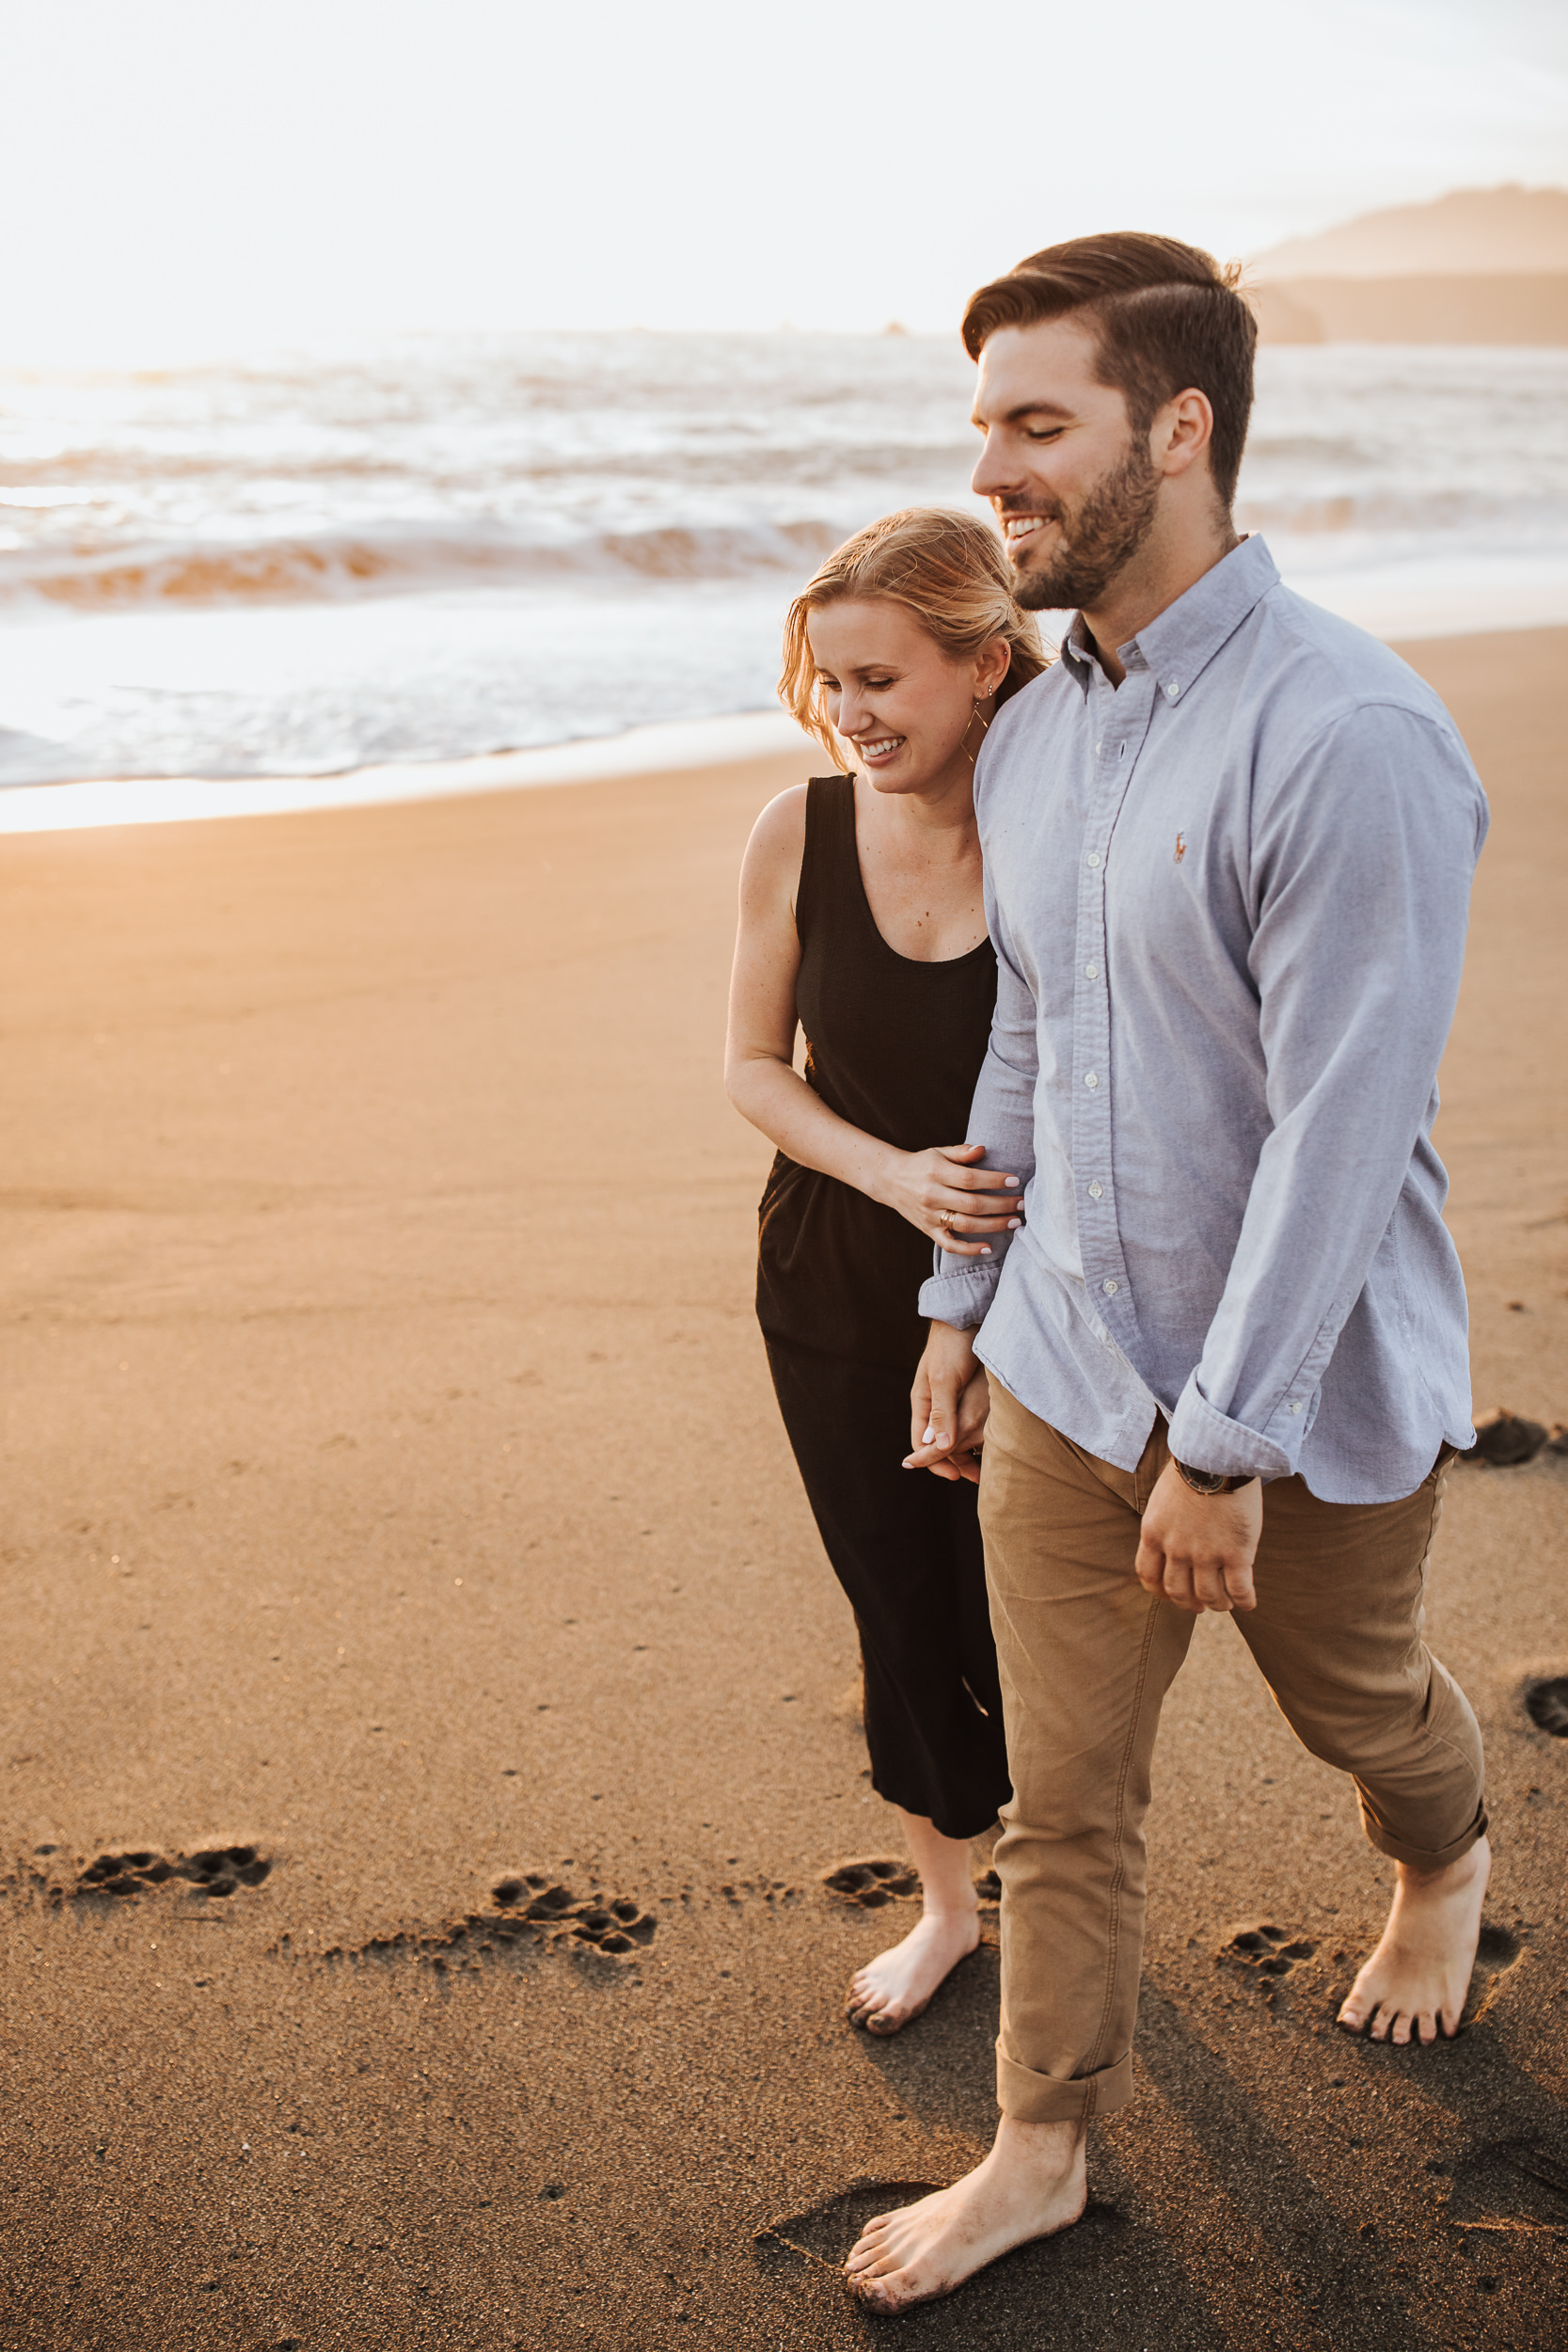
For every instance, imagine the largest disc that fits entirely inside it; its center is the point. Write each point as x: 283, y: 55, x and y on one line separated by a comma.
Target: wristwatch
x: 1210, y: 1481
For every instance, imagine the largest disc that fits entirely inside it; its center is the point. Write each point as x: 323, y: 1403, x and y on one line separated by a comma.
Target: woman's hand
x: 949, y: 1406
x: 946, y: 1194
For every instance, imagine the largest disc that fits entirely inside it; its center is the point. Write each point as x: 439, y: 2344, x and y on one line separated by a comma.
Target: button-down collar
x: 1180, y: 642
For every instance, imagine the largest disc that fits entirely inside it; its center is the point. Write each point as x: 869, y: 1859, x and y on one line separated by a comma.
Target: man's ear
x: 1182, y: 431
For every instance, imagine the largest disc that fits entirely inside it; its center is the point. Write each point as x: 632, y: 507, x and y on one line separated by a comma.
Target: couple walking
x: 1171, y: 930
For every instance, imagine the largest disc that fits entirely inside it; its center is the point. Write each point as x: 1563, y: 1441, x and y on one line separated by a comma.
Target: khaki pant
x: 1086, y: 1658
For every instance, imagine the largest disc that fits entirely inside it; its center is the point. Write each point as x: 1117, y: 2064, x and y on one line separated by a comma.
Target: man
x: 1229, y: 846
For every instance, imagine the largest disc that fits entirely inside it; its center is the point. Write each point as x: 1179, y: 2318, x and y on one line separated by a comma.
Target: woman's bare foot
x: 1414, y: 1987
x: 1031, y: 2185
x: 898, y: 1983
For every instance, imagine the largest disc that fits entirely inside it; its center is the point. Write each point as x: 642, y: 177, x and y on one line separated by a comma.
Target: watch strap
x: 1211, y: 1482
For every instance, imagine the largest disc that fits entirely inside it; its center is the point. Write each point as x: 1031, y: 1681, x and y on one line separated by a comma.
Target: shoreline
x: 658, y: 749
x: 1409, y: 606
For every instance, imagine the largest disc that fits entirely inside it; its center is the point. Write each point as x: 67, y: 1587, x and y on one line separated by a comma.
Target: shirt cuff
x: 1208, y: 1440
x: 961, y: 1299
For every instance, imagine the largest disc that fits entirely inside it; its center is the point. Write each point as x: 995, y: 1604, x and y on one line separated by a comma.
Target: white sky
x: 186, y: 176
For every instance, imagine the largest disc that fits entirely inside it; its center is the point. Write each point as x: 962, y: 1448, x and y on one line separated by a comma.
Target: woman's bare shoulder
x: 779, y: 840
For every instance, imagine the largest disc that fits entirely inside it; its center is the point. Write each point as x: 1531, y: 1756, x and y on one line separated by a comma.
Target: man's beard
x: 1106, y: 532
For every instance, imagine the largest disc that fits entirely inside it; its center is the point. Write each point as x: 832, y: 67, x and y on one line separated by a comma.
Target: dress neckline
x: 921, y: 964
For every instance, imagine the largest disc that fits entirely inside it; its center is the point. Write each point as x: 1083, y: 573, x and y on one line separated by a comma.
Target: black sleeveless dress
x: 894, y: 1047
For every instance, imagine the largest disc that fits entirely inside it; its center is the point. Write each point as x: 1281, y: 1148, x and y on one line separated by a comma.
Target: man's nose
x: 992, y: 476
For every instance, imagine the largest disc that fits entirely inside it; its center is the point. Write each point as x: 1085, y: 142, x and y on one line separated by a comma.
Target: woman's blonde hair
x: 947, y: 569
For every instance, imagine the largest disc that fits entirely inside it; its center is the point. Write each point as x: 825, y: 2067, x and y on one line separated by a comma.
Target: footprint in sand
x: 211, y: 1873
x: 529, y: 1909
x: 1504, y: 2188
x: 873, y: 1882
x: 878, y: 1878
x: 1261, y: 1953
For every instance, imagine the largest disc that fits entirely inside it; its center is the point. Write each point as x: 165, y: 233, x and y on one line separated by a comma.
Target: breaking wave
x: 396, y: 559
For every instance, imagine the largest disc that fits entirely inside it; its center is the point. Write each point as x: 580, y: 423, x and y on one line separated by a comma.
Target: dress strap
x: 830, y: 861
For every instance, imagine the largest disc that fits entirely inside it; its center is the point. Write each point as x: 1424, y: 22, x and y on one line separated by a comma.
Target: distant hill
x: 1472, y: 233
x: 1480, y: 266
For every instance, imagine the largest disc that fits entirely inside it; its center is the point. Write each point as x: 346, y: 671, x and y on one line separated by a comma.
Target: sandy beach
x: 397, y: 1511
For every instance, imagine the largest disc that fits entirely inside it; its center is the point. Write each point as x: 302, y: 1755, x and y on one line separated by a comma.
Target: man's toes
x: 880, y: 2286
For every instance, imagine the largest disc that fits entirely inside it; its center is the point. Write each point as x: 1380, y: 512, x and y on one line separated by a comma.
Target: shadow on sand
x: 1313, y: 2277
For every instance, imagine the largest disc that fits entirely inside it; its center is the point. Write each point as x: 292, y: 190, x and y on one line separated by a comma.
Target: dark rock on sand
x: 1504, y: 1439
x: 1547, y: 1704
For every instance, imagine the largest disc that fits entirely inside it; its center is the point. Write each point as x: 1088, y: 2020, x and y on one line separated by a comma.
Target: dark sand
x: 394, y: 1488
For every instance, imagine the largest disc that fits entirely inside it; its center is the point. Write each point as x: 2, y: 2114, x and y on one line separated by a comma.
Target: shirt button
x: 1095, y: 1191
x: 1090, y: 1080
x: 1173, y: 690
x: 1295, y: 1407
x: 1091, y: 971
x: 1109, y: 1287
x: 1093, y: 858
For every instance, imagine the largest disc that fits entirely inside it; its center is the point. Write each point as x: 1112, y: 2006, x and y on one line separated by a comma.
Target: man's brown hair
x: 1166, y: 317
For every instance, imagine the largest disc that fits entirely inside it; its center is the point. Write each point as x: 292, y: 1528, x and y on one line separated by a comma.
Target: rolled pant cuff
x: 1421, y: 1857
x: 1031, y: 2098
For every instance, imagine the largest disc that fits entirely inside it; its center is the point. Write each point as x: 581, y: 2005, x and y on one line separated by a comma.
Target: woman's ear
x: 994, y: 662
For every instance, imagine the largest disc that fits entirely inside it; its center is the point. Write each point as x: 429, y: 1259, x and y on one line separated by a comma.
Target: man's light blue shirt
x: 1228, y: 901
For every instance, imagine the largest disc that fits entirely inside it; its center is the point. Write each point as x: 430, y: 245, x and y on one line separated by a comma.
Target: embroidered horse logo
x: 1181, y: 848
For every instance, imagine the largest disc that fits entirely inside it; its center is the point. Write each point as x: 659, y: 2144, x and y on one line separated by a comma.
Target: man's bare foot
x: 898, y: 1983
x: 1031, y: 2185
x: 1414, y: 1987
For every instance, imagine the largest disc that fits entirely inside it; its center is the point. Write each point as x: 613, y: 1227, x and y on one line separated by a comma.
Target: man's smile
x: 1018, y: 527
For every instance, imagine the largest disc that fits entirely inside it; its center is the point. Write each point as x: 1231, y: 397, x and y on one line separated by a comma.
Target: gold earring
x: 985, y: 730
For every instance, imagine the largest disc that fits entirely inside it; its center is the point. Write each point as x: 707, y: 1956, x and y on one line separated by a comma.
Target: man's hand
x: 948, y: 1407
x: 1198, y: 1549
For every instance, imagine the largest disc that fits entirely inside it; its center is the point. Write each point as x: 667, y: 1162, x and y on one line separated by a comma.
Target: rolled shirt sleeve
x: 1361, y: 870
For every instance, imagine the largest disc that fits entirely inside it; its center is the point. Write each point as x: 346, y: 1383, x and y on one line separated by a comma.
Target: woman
x: 861, y: 921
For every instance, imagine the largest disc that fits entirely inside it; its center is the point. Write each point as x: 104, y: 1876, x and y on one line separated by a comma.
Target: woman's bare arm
x: 764, y: 1088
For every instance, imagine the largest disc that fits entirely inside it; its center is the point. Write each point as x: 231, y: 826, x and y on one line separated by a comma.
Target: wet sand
x: 395, y: 1499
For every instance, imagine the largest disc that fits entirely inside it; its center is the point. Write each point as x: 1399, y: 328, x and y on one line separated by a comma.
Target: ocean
x: 433, y: 548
